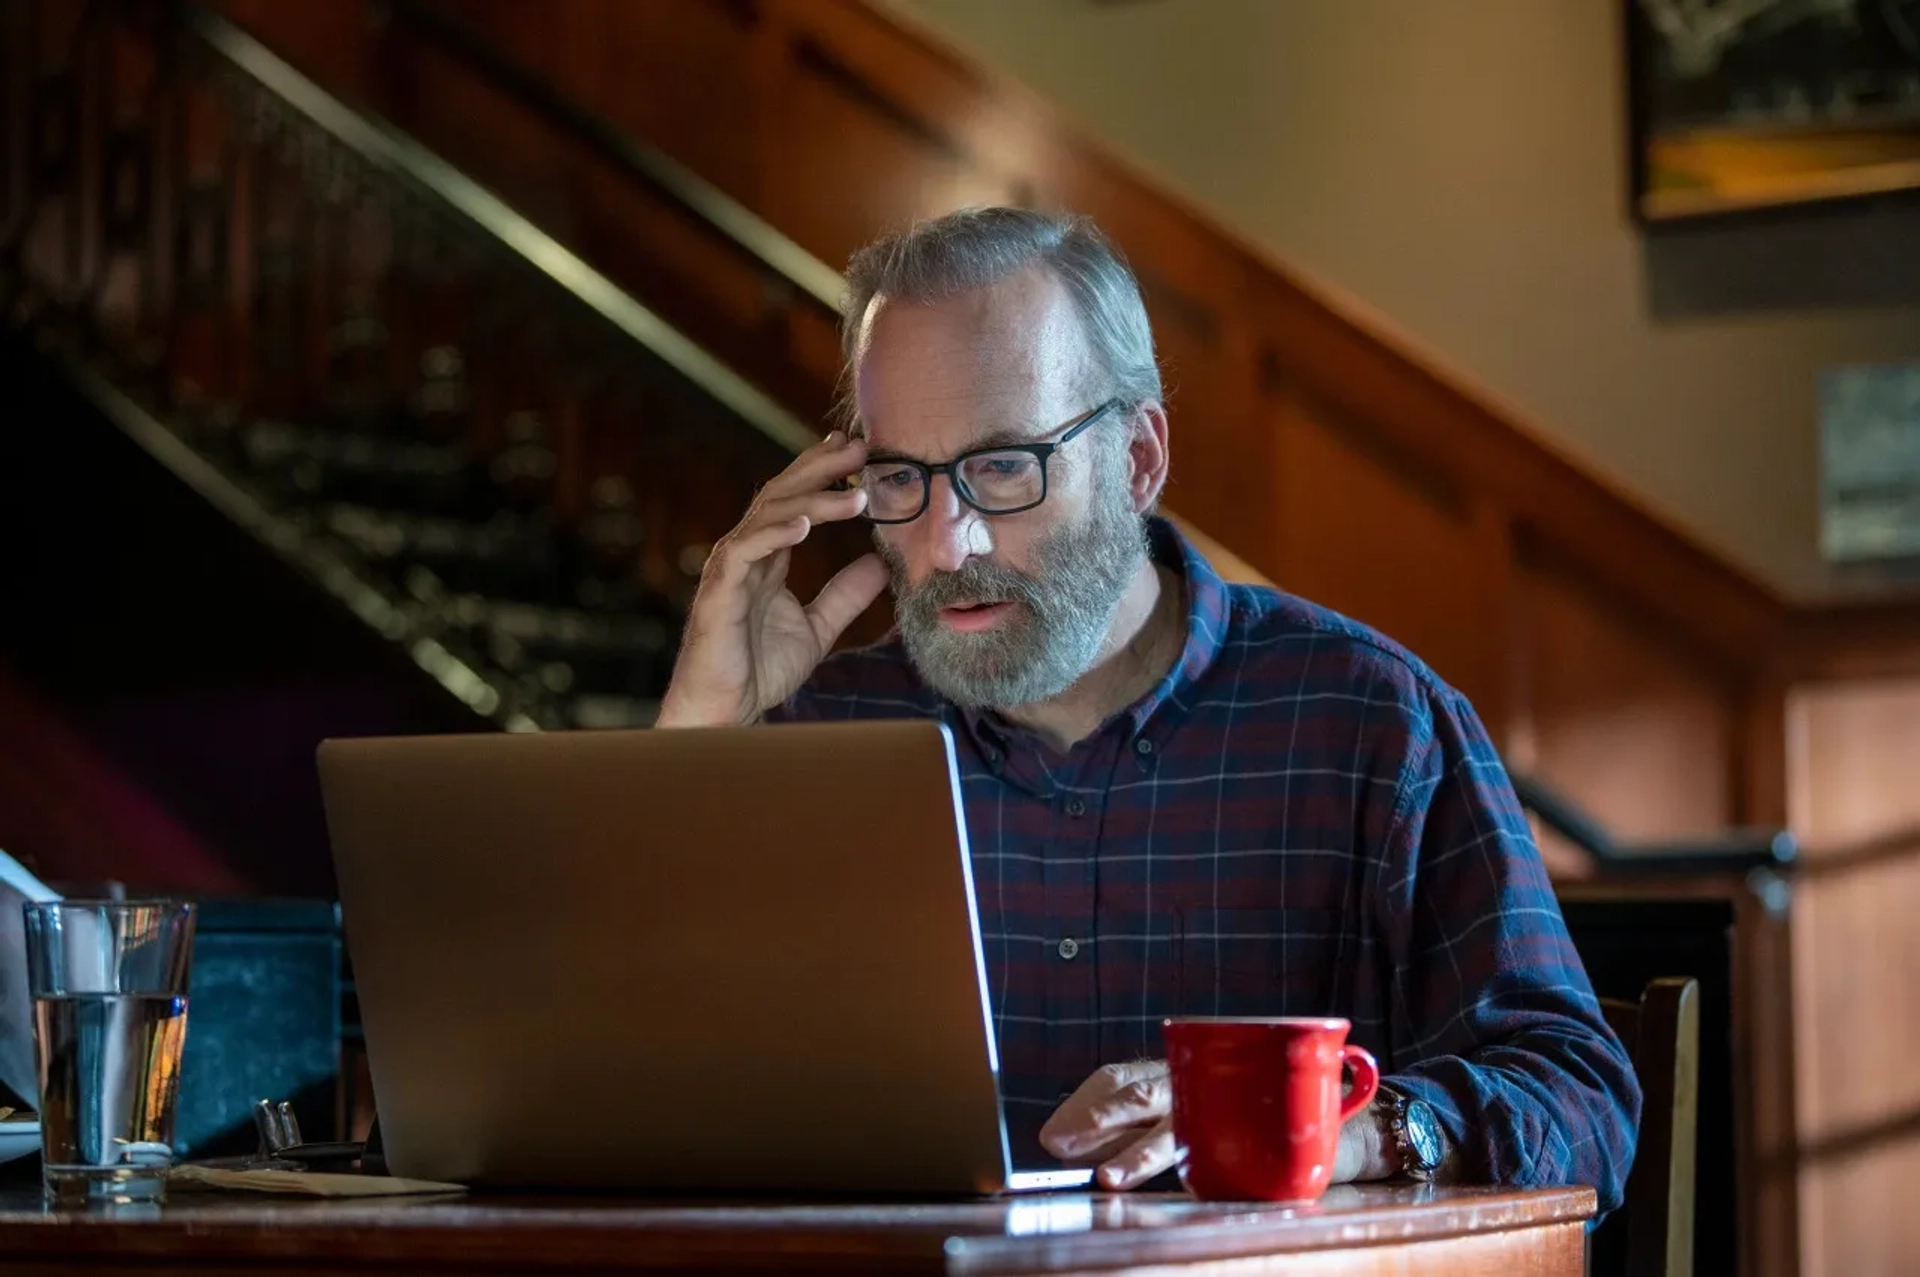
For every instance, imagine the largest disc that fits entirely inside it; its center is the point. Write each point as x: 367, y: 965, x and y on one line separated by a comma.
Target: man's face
x: 1002, y: 610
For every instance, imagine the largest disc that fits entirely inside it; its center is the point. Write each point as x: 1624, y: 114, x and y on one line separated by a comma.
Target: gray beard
x: 1064, y: 611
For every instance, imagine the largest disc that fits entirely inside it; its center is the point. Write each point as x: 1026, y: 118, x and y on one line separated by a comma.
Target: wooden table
x: 1371, y: 1229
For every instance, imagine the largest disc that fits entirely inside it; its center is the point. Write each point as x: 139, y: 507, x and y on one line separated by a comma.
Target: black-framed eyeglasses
x: 1004, y: 479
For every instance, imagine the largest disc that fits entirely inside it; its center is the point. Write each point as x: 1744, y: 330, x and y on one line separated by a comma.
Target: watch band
x: 1400, y: 1118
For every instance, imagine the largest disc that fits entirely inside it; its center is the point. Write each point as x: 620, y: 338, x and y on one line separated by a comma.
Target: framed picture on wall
x: 1744, y: 104
x: 1870, y: 462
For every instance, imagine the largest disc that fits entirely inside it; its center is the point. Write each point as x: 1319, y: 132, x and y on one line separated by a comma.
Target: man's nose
x: 954, y: 530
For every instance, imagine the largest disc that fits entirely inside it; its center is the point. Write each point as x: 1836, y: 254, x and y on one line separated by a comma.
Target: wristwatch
x: 1414, y: 1134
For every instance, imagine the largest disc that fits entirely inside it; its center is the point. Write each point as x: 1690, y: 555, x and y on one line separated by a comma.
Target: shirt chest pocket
x: 1257, y: 960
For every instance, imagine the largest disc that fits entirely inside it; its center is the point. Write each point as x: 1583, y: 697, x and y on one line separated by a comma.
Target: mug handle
x: 1366, y: 1079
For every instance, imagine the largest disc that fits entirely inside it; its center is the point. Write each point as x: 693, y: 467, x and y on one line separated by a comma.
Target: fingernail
x: 1110, y: 1176
x: 835, y: 438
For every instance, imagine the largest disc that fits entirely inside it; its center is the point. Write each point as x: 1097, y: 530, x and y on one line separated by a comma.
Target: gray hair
x: 975, y: 247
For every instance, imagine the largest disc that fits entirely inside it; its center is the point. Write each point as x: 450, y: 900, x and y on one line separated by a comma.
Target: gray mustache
x: 974, y: 583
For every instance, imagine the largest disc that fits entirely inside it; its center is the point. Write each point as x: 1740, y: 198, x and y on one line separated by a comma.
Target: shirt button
x: 1075, y: 808
x: 1069, y: 948
x: 1143, y: 747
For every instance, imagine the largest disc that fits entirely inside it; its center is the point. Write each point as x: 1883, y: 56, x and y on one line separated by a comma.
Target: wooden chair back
x: 1662, y: 1033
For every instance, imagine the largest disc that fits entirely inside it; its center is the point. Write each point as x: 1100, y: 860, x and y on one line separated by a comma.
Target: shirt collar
x: 1209, y: 607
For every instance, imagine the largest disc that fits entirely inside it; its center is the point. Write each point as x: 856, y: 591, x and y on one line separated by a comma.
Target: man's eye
x: 895, y: 478
x: 1005, y: 467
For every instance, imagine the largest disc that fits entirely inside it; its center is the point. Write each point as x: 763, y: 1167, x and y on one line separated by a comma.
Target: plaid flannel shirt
x: 1300, y: 820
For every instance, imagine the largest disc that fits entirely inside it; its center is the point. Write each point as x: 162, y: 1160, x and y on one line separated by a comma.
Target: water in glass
x: 110, y: 1073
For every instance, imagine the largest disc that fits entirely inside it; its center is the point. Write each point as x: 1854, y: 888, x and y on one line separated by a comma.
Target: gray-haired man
x: 1182, y: 797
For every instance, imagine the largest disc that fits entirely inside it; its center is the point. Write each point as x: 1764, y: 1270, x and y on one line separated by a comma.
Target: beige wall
x: 1458, y: 166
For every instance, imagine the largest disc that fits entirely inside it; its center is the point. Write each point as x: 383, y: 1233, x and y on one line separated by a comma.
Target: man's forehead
x: 997, y: 361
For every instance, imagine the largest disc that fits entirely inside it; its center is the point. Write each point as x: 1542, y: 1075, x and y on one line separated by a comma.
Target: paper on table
x: 17, y: 876
x: 302, y: 1183
x: 17, y: 1070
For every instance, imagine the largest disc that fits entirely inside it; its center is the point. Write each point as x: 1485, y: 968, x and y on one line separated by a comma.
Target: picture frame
x: 1737, y: 105
x: 1870, y: 462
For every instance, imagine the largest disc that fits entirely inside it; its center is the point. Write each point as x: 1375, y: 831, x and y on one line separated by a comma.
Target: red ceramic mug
x: 1257, y: 1105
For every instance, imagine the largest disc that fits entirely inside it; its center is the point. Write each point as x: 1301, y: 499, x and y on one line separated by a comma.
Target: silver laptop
x: 741, y: 959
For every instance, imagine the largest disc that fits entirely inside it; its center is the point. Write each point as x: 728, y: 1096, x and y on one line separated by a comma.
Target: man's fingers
x: 1146, y: 1099
x: 1091, y: 1132
x: 1350, y: 1155
x: 1115, y: 1076
x: 851, y: 592
x: 1140, y: 1161
x: 820, y: 507
x: 738, y: 552
x: 772, y: 527
x: 1115, y: 1098
x: 833, y: 458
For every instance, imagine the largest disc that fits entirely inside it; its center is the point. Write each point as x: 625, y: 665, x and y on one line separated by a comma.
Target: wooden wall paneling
x: 781, y: 340
x: 1767, y: 742
x: 842, y: 155
x: 1624, y: 718
x: 1767, y: 1012
x: 1856, y: 952
x: 1505, y: 647
x: 1864, y: 639
x: 1423, y: 414
x: 660, y: 76
x: 1766, y: 1134
x: 691, y: 106
x: 483, y: 132
x: 1385, y: 543
x: 1222, y: 437
x: 924, y: 86
x: 326, y: 41
x: 1232, y: 568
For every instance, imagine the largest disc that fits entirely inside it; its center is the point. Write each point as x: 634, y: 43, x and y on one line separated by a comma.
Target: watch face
x: 1423, y: 1132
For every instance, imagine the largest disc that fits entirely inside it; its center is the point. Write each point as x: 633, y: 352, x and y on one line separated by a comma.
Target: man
x: 1182, y: 797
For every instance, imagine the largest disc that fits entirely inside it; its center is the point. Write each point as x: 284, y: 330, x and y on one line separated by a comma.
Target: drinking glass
x: 109, y: 986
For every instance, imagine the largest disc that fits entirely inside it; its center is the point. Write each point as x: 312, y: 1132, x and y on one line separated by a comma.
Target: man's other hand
x: 1119, y: 1121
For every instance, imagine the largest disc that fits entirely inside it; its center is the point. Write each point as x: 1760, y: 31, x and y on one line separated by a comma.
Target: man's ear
x: 1147, y: 454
